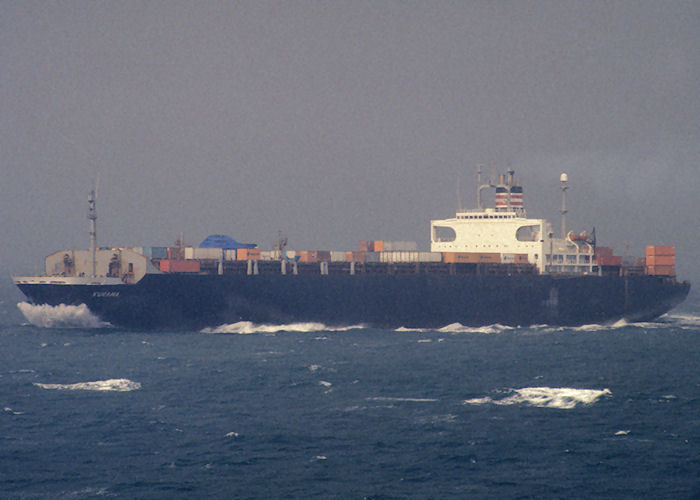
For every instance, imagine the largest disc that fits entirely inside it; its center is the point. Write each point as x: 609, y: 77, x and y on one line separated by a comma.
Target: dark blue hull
x: 186, y: 301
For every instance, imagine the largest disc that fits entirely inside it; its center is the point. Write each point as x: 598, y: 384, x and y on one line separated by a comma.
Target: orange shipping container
x: 471, y: 258
x: 366, y: 246
x: 609, y: 260
x: 455, y: 257
x: 248, y: 254
x: 179, y: 266
x: 378, y: 246
x: 308, y: 256
x: 661, y: 260
x: 662, y: 270
x: 489, y: 258
x: 661, y: 250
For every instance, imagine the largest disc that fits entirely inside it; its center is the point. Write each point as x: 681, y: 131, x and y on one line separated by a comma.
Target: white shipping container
x: 189, y: 253
x: 230, y: 254
x: 208, y: 253
x: 398, y: 257
x: 429, y: 257
x: 270, y: 255
x: 290, y: 254
x: 337, y: 256
x: 400, y: 246
x: 508, y: 258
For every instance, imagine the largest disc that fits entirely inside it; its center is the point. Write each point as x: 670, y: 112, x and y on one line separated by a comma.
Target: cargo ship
x: 489, y: 265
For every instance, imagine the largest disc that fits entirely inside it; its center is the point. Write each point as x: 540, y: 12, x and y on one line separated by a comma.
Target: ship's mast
x: 563, y: 179
x: 92, y: 217
x: 478, y: 187
x: 481, y: 186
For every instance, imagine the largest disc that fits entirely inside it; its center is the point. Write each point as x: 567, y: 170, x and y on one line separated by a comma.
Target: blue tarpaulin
x: 223, y: 241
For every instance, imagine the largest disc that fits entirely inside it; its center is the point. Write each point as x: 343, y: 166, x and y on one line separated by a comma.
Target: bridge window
x: 443, y: 233
x: 527, y: 233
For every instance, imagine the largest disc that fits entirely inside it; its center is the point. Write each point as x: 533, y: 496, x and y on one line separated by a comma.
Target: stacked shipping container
x: 376, y: 251
x: 661, y: 260
x: 604, y: 257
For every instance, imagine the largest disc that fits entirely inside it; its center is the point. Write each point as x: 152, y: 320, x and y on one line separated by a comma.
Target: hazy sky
x: 341, y: 121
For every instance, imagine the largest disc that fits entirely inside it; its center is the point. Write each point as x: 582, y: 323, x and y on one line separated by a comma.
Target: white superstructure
x: 507, y: 230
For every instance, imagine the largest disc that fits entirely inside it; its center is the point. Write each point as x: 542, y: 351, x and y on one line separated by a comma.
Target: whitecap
x: 479, y: 401
x: 60, y: 316
x: 248, y: 327
x: 564, y: 398
x: 622, y: 432
x: 600, y: 326
x: 117, y: 385
x: 325, y: 383
x: 592, y: 327
x: 684, y: 321
x: 487, y: 329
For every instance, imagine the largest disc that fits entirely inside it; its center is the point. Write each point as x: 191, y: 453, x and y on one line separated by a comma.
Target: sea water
x: 306, y: 411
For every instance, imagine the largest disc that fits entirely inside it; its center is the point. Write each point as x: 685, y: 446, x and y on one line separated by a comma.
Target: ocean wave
x: 60, y: 316
x: 682, y: 320
x: 117, y: 385
x: 594, y: 327
x: 247, y: 327
x: 459, y: 328
x: 564, y: 398
x: 685, y: 322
